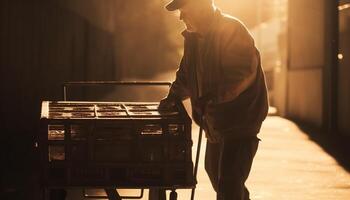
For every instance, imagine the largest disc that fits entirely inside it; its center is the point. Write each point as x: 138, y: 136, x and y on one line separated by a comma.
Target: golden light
x: 278, y: 63
x: 343, y: 7
x: 263, y: 25
x: 176, y: 13
x: 340, y: 56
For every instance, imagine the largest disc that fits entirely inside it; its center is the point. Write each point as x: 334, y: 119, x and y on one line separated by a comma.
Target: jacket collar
x: 213, y: 23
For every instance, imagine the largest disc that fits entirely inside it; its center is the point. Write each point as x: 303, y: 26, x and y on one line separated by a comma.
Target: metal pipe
x: 154, y: 83
x: 124, y: 83
x: 197, y: 155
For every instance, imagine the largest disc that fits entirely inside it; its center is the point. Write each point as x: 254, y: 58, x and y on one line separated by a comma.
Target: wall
x: 306, y: 61
x: 42, y: 44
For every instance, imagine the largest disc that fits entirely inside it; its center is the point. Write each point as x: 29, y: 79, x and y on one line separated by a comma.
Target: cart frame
x: 155, y: 193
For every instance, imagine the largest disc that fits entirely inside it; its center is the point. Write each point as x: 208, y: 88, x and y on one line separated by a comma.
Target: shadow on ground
x: 332, y: 143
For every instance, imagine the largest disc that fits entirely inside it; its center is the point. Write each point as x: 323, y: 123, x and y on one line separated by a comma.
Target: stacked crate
x: 117, y: 144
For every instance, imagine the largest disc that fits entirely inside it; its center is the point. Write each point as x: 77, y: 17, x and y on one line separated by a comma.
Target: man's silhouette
x: 221, y: 73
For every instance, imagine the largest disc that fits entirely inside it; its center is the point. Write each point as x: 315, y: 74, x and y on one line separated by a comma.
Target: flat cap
x: 175, y: 4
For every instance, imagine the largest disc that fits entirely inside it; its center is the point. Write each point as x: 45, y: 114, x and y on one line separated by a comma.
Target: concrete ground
x: 287, y: 166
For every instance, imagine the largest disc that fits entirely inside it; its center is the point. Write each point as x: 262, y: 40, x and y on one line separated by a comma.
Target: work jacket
x: 223, y: 78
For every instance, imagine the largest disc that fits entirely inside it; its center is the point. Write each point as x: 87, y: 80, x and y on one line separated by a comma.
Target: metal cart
x: 113, y: 145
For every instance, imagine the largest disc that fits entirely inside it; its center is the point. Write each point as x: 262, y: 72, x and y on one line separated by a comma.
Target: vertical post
x: 64, y: 92
x: 330, y: 72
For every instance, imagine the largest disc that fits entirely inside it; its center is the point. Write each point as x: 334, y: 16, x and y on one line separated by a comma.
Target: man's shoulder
x: 229, y: 19
x: 231, y: 23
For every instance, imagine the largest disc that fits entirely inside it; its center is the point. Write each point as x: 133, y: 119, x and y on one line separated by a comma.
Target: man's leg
x: 235, y: 161
x: 231, y: 160
x: 212, y: 153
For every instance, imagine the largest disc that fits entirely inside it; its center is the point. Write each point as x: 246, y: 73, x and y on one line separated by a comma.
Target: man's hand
x: 205, y: 101
x: 166, y: 104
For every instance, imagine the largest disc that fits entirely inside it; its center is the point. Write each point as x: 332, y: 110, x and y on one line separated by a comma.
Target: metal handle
x: 124, y: 83
x: 197, y: 154
x: 112, y: 193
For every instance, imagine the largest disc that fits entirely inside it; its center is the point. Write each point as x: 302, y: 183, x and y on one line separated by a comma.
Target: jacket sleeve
x: 179, y: 88
x: 239, y: 62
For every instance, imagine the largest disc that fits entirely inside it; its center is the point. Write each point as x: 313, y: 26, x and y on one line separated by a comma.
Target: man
x: 221, y: 73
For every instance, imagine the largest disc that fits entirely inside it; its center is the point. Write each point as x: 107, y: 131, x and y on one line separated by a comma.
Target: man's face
x: 190, y: 16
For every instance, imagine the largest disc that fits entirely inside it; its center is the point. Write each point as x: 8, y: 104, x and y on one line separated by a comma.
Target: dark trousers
x: 228, y: 164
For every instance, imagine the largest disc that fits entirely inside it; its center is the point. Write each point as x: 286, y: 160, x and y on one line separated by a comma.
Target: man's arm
x: 239, y: 62
x: 179, y: 89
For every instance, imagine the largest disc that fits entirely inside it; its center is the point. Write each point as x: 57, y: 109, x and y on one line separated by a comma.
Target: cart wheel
x: 173, y: 195
x: 156, y: 194
x: 57, y: 194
